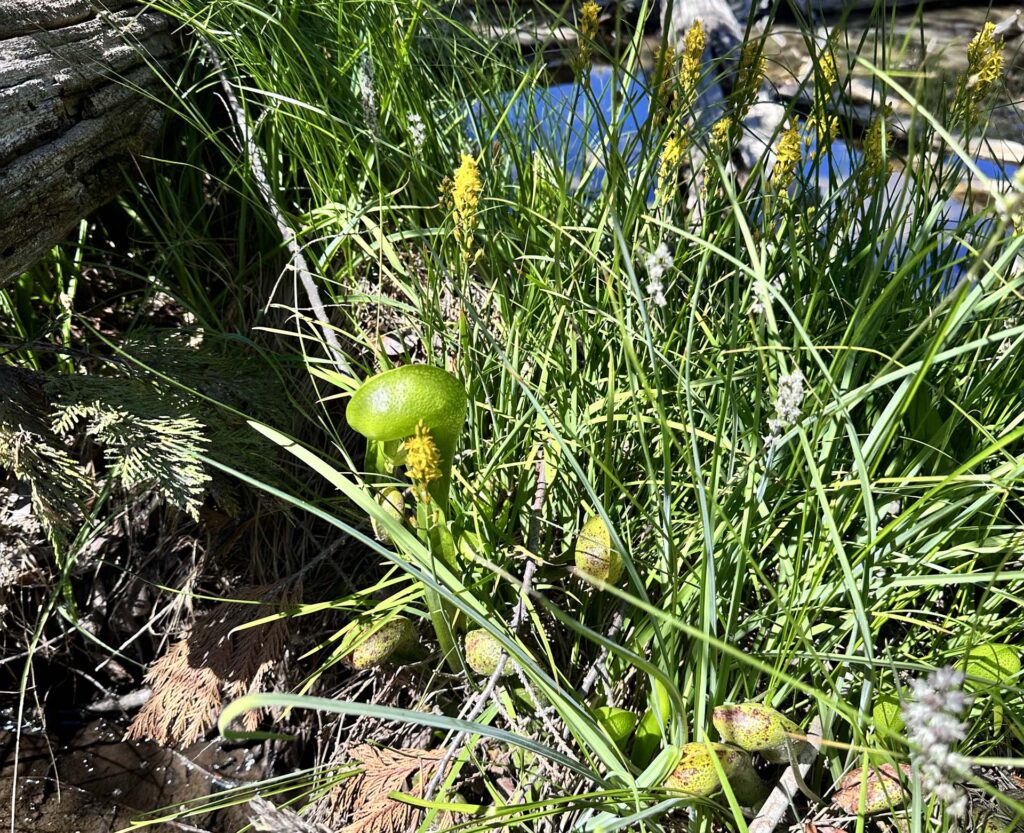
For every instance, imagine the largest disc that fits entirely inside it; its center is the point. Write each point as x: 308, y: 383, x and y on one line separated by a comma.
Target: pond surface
x: 571, y: 126
x: 933, y: 43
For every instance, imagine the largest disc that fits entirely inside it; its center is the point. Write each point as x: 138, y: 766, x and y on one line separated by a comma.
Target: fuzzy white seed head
x: 934, y: 717
x: 788, y: 403
x: 657, y: 292
x: 656, y: 264
x: 890, y: 509
x: 417, y: 131
x: 367, y: 90
x: 758, y: 304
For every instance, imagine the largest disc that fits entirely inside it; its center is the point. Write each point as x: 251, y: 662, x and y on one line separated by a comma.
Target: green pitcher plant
x: 411, y: 417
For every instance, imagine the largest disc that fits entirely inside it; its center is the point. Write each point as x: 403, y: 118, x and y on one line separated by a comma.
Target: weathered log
x: 78, y: 98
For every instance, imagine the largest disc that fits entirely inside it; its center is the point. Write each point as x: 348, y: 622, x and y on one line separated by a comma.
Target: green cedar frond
x: 37, y: 456
x: 157, y: 452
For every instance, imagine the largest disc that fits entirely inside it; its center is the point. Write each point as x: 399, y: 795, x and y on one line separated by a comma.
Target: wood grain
x: 78, y: 98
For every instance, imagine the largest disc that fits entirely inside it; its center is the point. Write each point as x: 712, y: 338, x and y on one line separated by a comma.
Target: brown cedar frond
x: 191, y: 681
x: 364, y: 797
x: 186, y: 700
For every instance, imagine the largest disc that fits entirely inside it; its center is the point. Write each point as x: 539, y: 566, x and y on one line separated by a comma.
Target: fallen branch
x: 518, y: 616
x: 781, y: 798
x: 298, y: 259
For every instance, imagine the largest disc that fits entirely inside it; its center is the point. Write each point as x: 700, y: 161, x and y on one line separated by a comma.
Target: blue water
x: 575, y: 126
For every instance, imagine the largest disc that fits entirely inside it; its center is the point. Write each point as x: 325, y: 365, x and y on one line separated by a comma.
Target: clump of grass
x: 804, y: 441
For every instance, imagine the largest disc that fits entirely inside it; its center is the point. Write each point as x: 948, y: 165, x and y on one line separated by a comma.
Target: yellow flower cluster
x: 827, y: 67
x: 823, y: 127
x: 720, y: 131
x: 752, y: 67
x: 668, y: 165
x: 672, y: 154
x: 466, y: 190
x: 689, y: 72
x: 665, y: 75
x: 787, y: 157
x: 589, y: 14
x: 984, y: 61
x: 422, y: 459
x: 588, y: 19
x: 876, y: 147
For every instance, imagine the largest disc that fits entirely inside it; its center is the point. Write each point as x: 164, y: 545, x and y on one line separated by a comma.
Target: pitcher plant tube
x: 412, y: 417
x: 394, y: 408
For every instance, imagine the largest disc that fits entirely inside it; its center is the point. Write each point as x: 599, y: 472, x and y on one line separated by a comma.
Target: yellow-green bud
x: 884, y: 789
x: 618, y: 723
x: 393, y: 504
x: 595, y: 556
x: 756, y: 727
x: 887, y: 713
x: 990, y: 666
x: 696, y: 774
x: 482, y: 653
x: 396, y: 638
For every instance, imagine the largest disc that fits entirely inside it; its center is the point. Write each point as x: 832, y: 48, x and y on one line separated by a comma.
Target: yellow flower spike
x: 693, y: 53
x: 589, y: 14
x: 984, y: 61
x: 669, y: 163
x: 665, y: 61
x: 824, y: 128
x: 752, y: 66
x: 876, y: 146
x: 720, y: 133
x: 671, y: 155
x: 588, y: 19
x: 827, y: 68
x: 422, y: 459
x: 466, y: 190
x: 787, y: 157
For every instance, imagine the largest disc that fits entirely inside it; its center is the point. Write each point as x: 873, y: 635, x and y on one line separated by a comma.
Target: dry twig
x: 518, y: 616
x: 298, y: 259
x: 774, y: 809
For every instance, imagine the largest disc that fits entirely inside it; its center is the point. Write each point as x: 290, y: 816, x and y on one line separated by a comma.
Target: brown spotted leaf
x: 884, y: 789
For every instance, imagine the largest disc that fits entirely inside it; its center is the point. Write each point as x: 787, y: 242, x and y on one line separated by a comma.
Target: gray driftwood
x: 724, y: 36
x: 78, y: 99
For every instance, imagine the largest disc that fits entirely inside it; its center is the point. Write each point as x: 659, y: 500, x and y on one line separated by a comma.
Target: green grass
x: 785, y: 575
x: 750, y: 573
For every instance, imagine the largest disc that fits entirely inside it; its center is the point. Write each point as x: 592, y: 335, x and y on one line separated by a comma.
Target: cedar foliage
x: 366, y: 799
x: 213, y: 664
